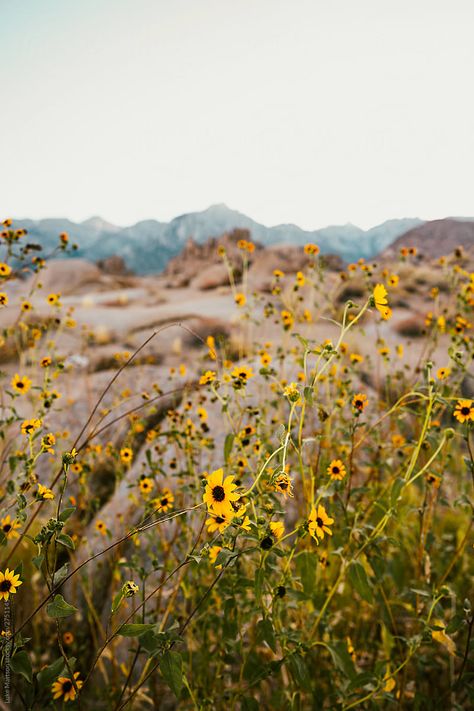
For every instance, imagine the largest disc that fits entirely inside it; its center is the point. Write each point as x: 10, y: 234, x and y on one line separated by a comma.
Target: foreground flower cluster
x: 295, y: 522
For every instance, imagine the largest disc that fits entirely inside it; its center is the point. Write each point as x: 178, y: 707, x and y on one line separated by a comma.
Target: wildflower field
x: 280, y: 519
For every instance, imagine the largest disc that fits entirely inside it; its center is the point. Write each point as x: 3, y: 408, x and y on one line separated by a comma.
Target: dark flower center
x: 281, y: 591
x: 283, y: 485
x: 164, y: 501
x: 218, y: 493
x: 358, y: 403
x: 465, y: 410
x: 5, y: 586
x: 67, y: 686
x: 7, y: 527
x: 319, y: 522
x: 20, y: 385
x: 219, y: 519
x: 266, y: 543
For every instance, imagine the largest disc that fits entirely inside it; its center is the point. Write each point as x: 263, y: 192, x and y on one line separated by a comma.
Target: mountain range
x: 147, y: 246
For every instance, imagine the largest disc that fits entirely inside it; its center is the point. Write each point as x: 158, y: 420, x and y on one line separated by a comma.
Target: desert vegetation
x: 263, y: 505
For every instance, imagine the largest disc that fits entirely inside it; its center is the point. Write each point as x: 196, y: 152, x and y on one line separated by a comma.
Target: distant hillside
x: 147, y: 246
x: 436, y: 238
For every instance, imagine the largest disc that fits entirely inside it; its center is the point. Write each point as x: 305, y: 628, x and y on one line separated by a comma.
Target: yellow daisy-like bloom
x: 443, y: 373
x: 64, y: 687
x: 5, y: 270
x: 287, y: 319
x: 277, y: 528
x: 220, y: 493
x: 45, y: 362
x: 30, y: 426
x: 20, y: 383
x: 126, y: 455
x: 336, y: 470
x: 164, y: 502
x: 213, y: 553
x: 44, y: 493
x: 101, y: 527
x: 240, y: 299
x: 278, y: 274
x: 146, y: 485
x: 265, y: 359
x: 311, y: 249
x: 9, y: 526
x: 360, y: 401
x: 208, y: 377
x: 319, y: 522
x: 9, y: 582
x: 202, y: 414
x: 53, y: 299
x: 3, y: 299
x: 381, y: 303
x: 356, y: 358
x: 283, y: 484
x: 241, y: 374
x: 464, y: 411
x: 218, y: 522
x: 300, y: 279
x: 26, y: 306
x: 393, y: 279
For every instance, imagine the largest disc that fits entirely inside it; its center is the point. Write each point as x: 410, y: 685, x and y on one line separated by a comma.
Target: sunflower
x: 9, y: 582
x: 101, y: 527
x: 311, y: 248
x: 5, y: 270
x: 464, y: 411
x: 277, y: 528
x: 3, y: 299
x: 208, y: 377
x: 9, y: 527
x: 240, y: 299
x: 164, y: 502
x: 300, y: 279
x: 146, y: 485
x: 336, y: 470
x: 26, y: 306
x: 28, y: 427
x: 45, y: 362
x: 44, y: 493
x: 213, y: 553
x: 319, y: 522
x: 443, y: 373
x: 65, y: 687
x: 20, y: 383
x: 283, y: 484
x: 360, y: 401
x: 218, y: 522
x: 53, y: 299
x: 219, y: 493
x: 126, y: 455
x: 241, y: 374
x: 380, y: 301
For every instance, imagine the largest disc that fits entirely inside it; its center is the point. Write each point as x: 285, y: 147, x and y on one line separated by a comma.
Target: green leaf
x: 134, y: 630
x: 65, y: 540
x: 20, y: 664
x: 308, y: 395
x: 396, y: 490
x: 299, y: 671
x: 171, y: 667
x: 37, y: 561
x: 359, y: 580
x: 229, y: 441
x: 61, y: 573
x: 117, y: 601
x: 64, y: 515
x: 60, y: 608
x: 342, y: 659
x: 266, y: 633
x: 46, y: 676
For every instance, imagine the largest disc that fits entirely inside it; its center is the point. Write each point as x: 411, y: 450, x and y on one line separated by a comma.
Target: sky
x: 314, y: 112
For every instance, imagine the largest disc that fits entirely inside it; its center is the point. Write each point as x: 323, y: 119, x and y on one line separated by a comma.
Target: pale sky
x: 308, y: 111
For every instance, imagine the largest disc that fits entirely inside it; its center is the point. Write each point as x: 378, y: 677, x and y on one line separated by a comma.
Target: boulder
x: 211, y: 277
